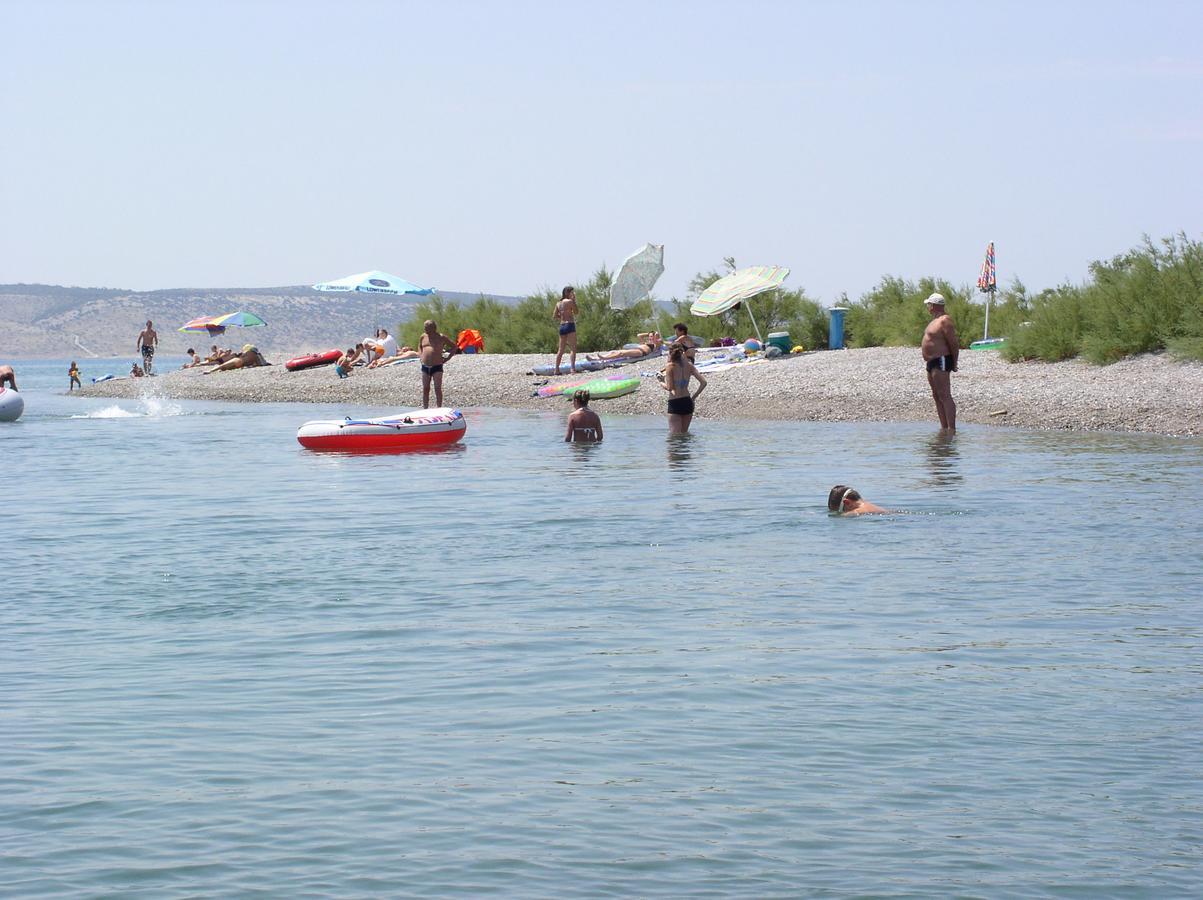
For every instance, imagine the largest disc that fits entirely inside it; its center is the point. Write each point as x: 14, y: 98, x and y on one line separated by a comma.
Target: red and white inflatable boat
x: 417, y: 429
x: 313, y: 360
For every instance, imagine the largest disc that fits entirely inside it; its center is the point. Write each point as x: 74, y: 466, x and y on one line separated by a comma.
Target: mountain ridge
x: 39, y: 320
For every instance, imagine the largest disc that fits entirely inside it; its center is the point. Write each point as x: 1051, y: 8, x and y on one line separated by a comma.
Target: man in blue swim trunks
x: 565, y: 314
x: 940, y: 351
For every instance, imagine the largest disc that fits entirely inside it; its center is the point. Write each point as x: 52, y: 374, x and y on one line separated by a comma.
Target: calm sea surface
x: 233, y: 667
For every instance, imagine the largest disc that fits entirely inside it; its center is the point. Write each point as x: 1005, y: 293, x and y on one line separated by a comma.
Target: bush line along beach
x: 1120, y: 352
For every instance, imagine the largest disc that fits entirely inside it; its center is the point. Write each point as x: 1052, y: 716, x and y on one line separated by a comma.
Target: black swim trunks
x: 568, y: 328
x: 943, y: 363
x: 148, y: 351
x: 680, y: 406
x: 431, y: 370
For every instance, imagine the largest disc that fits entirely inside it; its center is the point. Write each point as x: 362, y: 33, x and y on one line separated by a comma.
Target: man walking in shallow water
x: 940, y: 352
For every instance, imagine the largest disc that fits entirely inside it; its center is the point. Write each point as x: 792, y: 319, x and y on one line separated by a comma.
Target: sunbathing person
x: 194, y: 360
x: 403, y: 353
x: 249, y: 358
x: 218, y: 355
x: 649, y: 342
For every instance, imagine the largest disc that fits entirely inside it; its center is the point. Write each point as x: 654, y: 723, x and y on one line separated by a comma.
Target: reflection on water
x: 680, y: 451
x: 942, y: 458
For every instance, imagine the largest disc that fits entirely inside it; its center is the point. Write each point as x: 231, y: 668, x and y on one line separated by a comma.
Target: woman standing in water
x: 677, y: 375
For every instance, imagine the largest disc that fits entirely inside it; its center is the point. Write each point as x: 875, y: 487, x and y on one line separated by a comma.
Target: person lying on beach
x: 584, y: 425
x: 847, y: 501
x: 432, y: 346
x: 7, y: 377
x: 217, y: 355
x: 249, y: 358
x: 649, y: 342
x: 402, y: 354
x: 194, y: 360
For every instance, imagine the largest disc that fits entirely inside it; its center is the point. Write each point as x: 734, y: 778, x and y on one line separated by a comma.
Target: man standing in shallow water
x: 940, y: 352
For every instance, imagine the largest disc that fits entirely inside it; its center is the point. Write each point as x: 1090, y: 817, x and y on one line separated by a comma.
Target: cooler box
x: 780, y: 340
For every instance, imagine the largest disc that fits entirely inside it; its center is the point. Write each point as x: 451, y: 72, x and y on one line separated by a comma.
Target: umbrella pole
x: 986, y: 330
x: 754, y: 325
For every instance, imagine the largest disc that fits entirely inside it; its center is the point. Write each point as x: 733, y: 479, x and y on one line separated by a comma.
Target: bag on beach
x: 470, y: 341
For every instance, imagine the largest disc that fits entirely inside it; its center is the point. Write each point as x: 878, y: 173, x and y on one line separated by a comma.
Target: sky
x: 512, y: 147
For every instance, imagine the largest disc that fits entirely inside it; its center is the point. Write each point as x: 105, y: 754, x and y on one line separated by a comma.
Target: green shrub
x: 1054, y: 329
x: 528, y: 327
x: 1145, y: 300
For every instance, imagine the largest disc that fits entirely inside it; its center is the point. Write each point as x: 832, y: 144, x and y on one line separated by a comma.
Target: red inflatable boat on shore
x: 313, y: 360
x: 422, y: 428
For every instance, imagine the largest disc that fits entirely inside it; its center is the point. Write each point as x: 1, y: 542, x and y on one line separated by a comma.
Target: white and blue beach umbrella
x: 637, y: 276
x: 373, y: 283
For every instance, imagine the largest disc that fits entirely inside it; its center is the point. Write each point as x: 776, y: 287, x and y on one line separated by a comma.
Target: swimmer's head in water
x: 840, y: 494
x: 581, y: 397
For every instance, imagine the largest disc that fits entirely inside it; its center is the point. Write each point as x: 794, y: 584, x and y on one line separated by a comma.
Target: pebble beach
x: 1152, y: 393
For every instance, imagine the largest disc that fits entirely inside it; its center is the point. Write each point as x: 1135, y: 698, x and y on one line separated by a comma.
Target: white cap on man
x: 935, y: 299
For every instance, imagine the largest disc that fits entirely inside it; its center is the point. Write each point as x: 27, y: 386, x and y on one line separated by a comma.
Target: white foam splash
x: 110, y: 412
x: 157, y: 407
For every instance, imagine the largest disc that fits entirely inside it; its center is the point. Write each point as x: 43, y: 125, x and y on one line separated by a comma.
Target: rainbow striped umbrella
x: 218, y: 324
x: 737, y: 287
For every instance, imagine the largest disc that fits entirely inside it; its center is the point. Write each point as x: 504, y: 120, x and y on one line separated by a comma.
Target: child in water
x: 73, y: 373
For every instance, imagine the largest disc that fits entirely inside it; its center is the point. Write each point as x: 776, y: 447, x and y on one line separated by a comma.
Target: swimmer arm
x: 701, y: 381
x: 600, y: 435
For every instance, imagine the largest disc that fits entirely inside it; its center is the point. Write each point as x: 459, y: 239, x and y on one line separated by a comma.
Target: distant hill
x: 38, y: 320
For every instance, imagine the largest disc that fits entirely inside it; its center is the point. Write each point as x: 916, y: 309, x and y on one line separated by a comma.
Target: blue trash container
x: 835, y: 335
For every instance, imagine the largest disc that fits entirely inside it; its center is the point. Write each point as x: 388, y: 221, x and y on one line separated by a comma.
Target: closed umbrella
x: 637, y: 276
x: 737, y: 287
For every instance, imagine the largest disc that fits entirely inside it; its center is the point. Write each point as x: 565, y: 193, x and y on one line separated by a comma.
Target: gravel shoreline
x: 1150, y: 393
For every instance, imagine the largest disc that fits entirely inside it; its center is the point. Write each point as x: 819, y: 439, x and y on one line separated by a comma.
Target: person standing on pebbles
x: 940, y: 352
x: 431, y: 347
x: 565, y: 314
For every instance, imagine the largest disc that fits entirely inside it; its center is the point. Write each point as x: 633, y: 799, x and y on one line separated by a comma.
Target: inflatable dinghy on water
x: 422, y: 428
x: 12, y: 405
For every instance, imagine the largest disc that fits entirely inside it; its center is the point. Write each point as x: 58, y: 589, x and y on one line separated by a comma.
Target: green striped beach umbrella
x: 737, y: 287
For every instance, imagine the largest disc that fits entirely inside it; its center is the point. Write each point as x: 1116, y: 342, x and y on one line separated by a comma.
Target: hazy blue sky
x: 509, y: 146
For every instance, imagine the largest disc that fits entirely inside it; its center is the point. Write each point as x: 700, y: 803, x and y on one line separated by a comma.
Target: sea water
x: 233, y: 667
